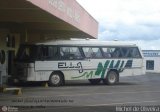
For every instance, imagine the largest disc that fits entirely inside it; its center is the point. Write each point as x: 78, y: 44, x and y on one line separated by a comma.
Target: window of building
x: 149, y: 65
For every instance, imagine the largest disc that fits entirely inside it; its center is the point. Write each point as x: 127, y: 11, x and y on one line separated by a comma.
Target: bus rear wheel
x: 56, y: 79
x: 111, y: 78
x: 94, y: 81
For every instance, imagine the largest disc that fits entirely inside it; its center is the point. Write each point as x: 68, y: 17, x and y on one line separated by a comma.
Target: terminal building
x: 35, y: 21
x: 152, y: 61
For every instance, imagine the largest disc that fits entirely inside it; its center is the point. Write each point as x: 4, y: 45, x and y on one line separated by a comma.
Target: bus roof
x: 88, y: 43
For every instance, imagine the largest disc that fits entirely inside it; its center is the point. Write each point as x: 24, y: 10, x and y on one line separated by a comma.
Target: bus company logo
x: 70, y: 65
x: 102, y: 68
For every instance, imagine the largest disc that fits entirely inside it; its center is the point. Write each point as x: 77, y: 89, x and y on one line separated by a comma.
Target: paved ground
x: 82, y: 96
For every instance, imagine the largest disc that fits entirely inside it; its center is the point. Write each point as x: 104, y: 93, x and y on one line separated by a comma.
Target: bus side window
x: 92, y: 52
x: 70, y: 53
x: 87, y: 52
x: 130, y: 52
x: 126, y: 52
x: 116, y: 53
x: 53, y: 52
x: 97, y: 52
x: 45, y: 52
x: 62, y: 52
x: 135, y: 53
x: 39, y: 53
x: 49, y: 53
x: 106, y: 52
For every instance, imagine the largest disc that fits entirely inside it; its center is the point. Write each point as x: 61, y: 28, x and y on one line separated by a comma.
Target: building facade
x: 152, y: 60
x: 35, y: 21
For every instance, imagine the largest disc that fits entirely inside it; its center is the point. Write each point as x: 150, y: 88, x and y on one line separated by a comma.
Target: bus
x: 58, y: 61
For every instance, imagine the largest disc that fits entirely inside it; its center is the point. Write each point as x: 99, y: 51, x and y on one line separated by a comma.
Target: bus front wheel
x: 111, y: 78
x: 94, y: 81
x: 56, y: 79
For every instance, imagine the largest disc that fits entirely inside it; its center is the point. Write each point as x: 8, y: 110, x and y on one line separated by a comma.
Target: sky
x: 137, y: 21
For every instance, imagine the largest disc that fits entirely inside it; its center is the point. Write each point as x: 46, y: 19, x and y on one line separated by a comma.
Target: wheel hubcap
x: 112, y: 78
x: 55, y: 79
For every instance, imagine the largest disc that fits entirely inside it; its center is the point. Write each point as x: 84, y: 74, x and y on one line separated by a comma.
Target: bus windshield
x: 27, y: 53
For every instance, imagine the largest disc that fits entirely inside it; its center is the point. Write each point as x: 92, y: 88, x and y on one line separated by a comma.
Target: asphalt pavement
x: 143, y: 90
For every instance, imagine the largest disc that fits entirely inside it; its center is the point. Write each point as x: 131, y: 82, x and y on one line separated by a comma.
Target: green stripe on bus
x: 105, y: 68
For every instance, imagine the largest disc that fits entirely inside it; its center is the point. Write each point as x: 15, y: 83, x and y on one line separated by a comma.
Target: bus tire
x: 111, y: 78
x: 94, y: 81
x: 56, y: 79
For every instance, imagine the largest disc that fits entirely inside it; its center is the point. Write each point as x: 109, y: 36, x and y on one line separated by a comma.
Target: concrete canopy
x: 51, y: 18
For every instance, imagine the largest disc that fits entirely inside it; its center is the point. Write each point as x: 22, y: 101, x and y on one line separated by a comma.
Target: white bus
x: 61, y: 60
